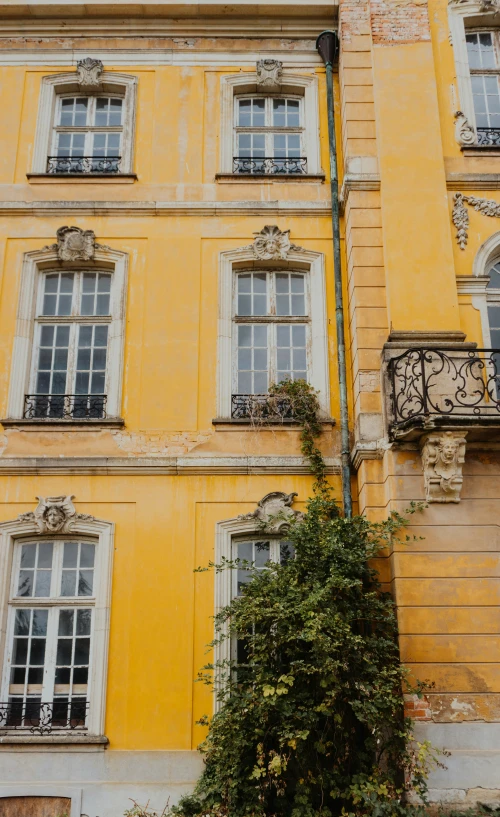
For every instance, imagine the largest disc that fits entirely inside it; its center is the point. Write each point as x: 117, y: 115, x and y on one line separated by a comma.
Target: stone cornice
x: 164, y: 208
x: 473, y: 181
x: 155, y: 466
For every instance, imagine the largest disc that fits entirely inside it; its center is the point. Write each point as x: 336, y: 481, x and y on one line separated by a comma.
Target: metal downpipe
x: 328, y: 47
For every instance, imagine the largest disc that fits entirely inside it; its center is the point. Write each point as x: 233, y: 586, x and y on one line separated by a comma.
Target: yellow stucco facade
x: 167, y: 467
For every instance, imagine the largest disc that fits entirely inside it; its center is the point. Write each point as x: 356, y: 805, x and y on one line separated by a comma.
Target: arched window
x: 83, y: 130
x: 493, y: 305
x: 54, y: 612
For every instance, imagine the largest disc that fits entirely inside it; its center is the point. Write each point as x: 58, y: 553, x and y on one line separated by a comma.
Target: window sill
x: 81, y: 178
x: 232, y: 424
x: 89, y: 743
x: 480, y: 150
x: 244, y: 178
x: 58, y: 424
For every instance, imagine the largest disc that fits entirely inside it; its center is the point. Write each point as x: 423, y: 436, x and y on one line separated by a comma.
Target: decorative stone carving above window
x: 74, y: 244
x: 269, y: 75
x: 274, y: 512
x: 89, y: 73
x: 464, y: 132
x: 443, y: 455
x: 54, y: 514
x: 272, y: 244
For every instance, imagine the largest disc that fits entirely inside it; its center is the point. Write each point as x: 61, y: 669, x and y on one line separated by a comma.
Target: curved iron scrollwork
x: 43, y: 718
x: 65, y: 406
x: 83, y: 164
x: 488, y: 136
x: 441, y: 382
x: 261, y: 407
x: 266, y: 164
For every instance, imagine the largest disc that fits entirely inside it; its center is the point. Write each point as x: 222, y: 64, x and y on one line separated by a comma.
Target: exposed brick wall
x: 354, y: 19
x: 394, y: 22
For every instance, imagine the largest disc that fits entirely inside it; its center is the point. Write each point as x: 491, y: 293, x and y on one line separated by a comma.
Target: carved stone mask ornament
x: 443, y: 455
x: 269, y: 74
x: 74, y: 244
x: 89, y: 73
x: 54, y: 514
x: 272, y: 244
x: 274, y: 512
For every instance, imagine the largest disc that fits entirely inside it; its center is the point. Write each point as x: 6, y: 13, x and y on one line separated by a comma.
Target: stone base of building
x: 472, y: 767
x: 99, y: 783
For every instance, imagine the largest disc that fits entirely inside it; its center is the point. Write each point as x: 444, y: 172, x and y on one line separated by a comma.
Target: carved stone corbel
x: 269, y: 75
x: 443, y: 456
x: 89, y: 73
x: 54, y: 514
x: 274, y: 512
x: 464, y: 132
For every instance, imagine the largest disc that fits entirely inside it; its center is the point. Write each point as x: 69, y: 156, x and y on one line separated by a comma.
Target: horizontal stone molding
x: 164, y: 208
x: 174, y: 466
x: 32, y: 57
x: 473, y: 181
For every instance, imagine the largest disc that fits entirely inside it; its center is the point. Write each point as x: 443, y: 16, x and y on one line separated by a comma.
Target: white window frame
x: 102, y: 533
x: 73, y: 321
x: 89, y: 129
x: 271, y: 320
x: 313, y: 266
x: 457, y: 16
x: 269, y: 130
x: 36, y: 265
x: 55, y: 85
x: 293, y: 85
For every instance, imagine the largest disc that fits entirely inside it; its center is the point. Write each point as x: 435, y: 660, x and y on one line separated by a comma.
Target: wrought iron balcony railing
x: 428, y: 384
x: 83, y: 164
x: 65, y: 406
x: 488, y: 136
x: 33, y: 716
x: 261, y: 407
x: 269, y: 165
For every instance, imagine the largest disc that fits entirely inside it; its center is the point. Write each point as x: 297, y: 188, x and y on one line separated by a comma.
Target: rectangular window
x: 49, y: 644
x: 271, y: 330
x: 87, y: 135
x: 71, y: 349
x: 269, y: 135
x: 482, y: 49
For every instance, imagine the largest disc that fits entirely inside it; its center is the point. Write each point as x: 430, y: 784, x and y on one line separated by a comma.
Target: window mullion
x: 49, y: 670
x: 72, y: 352
x: 271, y: 345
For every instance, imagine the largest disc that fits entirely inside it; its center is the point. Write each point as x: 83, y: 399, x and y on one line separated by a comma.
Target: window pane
x: 252, y: 112
x: 68, y: 583
x: 252, y: 359
x: 290, y: 297
x: 87, y: 555
x: 22, y: 622
x: 66, y: 622
x: 83, y: 620
x: 70, y: 556
x: 64, y: 651
x: 58, y: 294
x: 42, y: 586
x: 45, y: 554
x: 291, y: 355
x: 252, y: 294
x: 25, y: 584
x: 108, y: 112
x: 28, y: 556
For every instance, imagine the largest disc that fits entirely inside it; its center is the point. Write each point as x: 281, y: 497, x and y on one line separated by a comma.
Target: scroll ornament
x: 460, y: 215
x: 54, y: 514
x: 443, y: 455
x: 485, y: 5
x: 272, y: 244
x: 274, y: 512
x: 464, y: 132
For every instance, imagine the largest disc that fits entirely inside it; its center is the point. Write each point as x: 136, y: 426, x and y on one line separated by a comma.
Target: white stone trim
x: 457, y: 13
x: 66, y: 209
x: 50, y: 790
x: 34, y: 263
x: 55, y: 84
x: 476, y: 284
x: 243, y: 82
x: 104, y: 533
x: 319, y: 372
x: 306, y: 58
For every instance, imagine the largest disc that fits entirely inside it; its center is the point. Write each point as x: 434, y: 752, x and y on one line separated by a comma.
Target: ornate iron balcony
x: 83, y: 164
x: 65, y: 406
x: 40, y: 718
x: 488, y: 136
x: 435, y: 384
x: 270, y: 165
x: 261, y: 407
